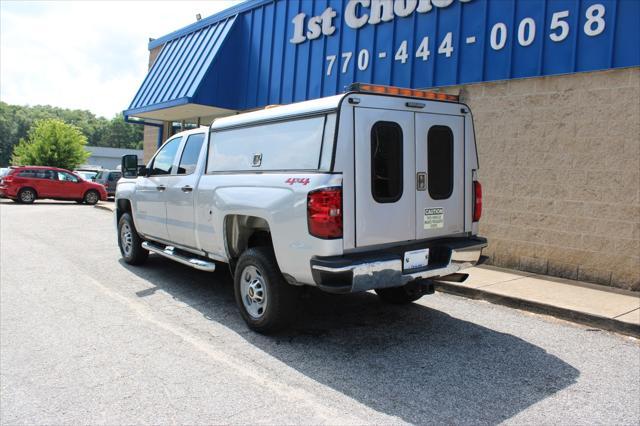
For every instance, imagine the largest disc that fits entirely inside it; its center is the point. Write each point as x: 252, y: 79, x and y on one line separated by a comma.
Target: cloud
x: 85, y: 55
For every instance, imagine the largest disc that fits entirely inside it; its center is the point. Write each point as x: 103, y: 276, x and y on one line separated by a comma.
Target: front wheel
x: 130, y: 242
x: 91, y: 197
x: 266, y: 301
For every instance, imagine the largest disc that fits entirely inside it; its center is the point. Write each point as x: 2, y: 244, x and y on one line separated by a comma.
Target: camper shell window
x: 294, y: 144
x: 440, y: 162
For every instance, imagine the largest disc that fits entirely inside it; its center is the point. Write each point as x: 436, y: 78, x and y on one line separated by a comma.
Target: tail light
x: 477, y: 201
x: 324, y: 213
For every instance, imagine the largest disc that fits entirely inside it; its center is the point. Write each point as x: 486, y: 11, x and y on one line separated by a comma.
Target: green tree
x: 16, y: 121
x: 52, y: 142
x: 120, y: 134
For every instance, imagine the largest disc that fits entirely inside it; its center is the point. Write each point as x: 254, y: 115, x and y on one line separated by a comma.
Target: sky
x: 89, y: 55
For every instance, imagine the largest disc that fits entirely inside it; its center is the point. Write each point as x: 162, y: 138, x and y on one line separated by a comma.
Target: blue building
x: 553, y: 84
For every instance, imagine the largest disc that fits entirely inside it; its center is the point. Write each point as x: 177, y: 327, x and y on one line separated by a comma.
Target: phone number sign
x: 425, y: 43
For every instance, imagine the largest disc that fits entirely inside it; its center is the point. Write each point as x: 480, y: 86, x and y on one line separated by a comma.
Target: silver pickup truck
x: 374, y: 189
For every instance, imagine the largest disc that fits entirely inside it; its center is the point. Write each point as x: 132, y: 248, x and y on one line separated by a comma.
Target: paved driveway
x: 88, y: 339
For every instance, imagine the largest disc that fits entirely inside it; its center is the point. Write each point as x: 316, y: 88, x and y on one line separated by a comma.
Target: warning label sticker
x: 434, y: 218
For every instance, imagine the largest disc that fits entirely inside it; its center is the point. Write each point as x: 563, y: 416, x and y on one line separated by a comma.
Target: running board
x: 170, y: 253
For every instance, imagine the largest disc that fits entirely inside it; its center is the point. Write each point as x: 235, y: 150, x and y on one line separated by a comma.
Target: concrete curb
x: 103, y: 207
x: 609, y: 324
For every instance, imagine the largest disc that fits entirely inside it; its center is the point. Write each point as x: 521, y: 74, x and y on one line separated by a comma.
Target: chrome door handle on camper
x: 186, y: 188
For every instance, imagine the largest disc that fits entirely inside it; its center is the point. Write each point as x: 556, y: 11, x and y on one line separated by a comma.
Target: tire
x: 91, y: 197
x: 405, y: 294
x: 130, y: 242
x: 265, y: 300
x: 27, y: 196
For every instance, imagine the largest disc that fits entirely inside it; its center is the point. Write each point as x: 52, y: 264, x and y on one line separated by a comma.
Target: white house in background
x: 107, y: 158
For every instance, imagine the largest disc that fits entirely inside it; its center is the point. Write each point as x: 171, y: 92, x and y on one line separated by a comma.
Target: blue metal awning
x: 178, y: 72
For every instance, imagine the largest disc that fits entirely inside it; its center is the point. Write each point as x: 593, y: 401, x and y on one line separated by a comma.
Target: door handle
x: 161, y: 187
x: 186, y: 188
x: 421, y: 181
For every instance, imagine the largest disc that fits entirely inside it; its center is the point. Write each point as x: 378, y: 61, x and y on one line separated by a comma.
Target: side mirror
x: 129, y: 166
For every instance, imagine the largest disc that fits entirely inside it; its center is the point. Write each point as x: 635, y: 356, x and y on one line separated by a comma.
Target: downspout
x: 146, y: 123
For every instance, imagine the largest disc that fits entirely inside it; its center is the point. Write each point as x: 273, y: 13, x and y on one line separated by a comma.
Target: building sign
x: 375, y: 12
x: 424, y: 43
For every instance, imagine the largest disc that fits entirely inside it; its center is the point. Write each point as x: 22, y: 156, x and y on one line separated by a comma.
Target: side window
x: 190, y: 154
x: 163, y: 161
x: 45, y: 174
x: 386, y: 162
x: 67, y: 177
x: 113, y: 176
x: 27, y: 174
x: 440, y: 162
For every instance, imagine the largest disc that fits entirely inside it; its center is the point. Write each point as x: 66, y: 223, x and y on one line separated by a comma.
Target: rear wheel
x: 407, y: 293
x: 266, y: 301
x: 27, y: 195
x: 130, y: 242
x: 91, y: 197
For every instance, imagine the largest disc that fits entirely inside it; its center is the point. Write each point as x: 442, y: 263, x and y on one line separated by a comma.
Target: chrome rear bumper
x: 384, y: 269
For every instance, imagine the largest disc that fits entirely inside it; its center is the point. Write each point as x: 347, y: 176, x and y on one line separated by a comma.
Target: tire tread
x: 138, y: 254
x: 281, y: 306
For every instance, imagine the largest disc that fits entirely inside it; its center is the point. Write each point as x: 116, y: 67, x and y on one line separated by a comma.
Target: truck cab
x: 374, y: 189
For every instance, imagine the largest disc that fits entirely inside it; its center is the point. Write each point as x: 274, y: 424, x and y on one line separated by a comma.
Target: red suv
x: 24, y: 184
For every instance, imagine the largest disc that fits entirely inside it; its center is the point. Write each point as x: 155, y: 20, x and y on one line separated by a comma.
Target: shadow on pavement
x: 9, y: 202
x: 412, y: 362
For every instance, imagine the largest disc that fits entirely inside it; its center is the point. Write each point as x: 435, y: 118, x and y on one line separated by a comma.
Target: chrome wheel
x: 253, y: 290
x: 91, y: 197
x: 27, y: 196
x: 126, y: 239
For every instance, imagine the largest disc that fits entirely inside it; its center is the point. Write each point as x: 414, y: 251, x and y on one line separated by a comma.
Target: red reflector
x: 477, y: 201
x: 324, y: 213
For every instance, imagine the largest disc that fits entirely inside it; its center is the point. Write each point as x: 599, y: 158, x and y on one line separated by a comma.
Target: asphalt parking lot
x: 86, y: 338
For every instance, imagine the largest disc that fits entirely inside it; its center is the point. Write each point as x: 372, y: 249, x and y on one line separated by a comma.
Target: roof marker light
x: 401, y: 91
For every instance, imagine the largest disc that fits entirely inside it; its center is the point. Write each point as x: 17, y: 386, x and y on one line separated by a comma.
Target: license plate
x: 416, y: 259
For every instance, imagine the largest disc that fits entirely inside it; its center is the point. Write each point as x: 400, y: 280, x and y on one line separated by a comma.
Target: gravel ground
x: 88, y: 339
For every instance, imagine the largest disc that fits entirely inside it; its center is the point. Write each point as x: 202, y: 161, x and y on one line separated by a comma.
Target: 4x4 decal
x: 304, y: 181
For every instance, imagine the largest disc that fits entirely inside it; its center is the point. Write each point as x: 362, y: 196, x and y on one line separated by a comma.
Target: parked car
x: 25, y: 184
x: 109, y: 179
x: 331, y: 193
x: 87, y: 175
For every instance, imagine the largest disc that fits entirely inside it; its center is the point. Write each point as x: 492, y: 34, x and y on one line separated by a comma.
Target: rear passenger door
x: 180, y: 193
